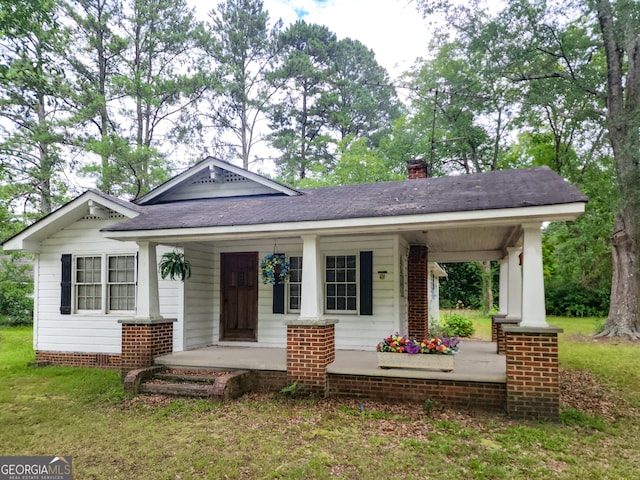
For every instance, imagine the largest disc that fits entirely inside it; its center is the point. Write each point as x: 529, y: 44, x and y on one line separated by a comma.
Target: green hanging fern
x: 175, y: 266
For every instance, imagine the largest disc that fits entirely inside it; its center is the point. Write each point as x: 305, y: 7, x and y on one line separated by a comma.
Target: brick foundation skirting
x: 455, y: 394
x: 78, y: 359
x: 484, y: 396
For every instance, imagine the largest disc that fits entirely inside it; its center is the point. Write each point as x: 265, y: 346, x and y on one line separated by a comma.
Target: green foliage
x: 358, y: 163
x: 462, y: 287
x: 290, y: 389
x: 335, y: 90
x: 175, y: 266
x: 455, y: 325
x: 576, y: 418
x: 575, y: 300
x: 16, y: 290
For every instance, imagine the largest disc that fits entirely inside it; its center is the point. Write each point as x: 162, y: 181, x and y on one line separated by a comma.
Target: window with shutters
x: 104, y: 283
x: 341, y: 283
x: 88, y: 283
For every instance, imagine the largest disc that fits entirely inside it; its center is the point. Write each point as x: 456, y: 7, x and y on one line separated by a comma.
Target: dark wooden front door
x: 239, y: 296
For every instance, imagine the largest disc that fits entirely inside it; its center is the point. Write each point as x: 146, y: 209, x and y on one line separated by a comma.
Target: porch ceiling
x: 468, y: 244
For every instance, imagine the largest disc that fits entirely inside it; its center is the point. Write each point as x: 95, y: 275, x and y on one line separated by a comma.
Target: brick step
x: 217, y: 386
x: 184, y: 378
x: 196, y: 390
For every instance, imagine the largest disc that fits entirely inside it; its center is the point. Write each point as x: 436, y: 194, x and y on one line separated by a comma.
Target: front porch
x: 479, y: 380
x: 477, y: 361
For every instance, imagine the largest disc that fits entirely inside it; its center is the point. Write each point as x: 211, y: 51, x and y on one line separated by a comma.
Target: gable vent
x: 220, y: 176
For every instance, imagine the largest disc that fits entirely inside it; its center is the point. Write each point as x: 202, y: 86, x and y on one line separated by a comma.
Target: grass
x: 84, y: 413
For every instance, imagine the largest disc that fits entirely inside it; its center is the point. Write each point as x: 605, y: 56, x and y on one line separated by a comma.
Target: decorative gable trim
x: 90, y: 204
x: 213, y: 171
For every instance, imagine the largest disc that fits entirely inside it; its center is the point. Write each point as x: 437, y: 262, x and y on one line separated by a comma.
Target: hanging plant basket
x: 274, y: 268
x: 175, y: 266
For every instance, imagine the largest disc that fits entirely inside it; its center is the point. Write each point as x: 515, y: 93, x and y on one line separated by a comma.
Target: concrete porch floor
x: 476, y: 362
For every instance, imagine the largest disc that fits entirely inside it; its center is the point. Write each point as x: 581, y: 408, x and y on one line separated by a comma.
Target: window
x: 122, y: 282
x: 88, y: 283
x: 341, y: 286
x: 104, y: 291
x: 295, y: 283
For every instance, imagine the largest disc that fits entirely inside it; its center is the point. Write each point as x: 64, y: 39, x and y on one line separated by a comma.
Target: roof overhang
x: 370, y: 225
x: 88, y: 203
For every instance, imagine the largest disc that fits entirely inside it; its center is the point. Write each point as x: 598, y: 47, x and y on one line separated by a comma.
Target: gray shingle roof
x: 484, y: 191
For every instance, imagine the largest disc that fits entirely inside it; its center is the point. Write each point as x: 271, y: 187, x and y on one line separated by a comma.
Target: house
x: 362, y: 259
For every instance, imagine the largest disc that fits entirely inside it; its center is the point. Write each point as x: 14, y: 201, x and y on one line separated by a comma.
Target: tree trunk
x: 623, y: 312
x: 487, y: 287
x: 623, y: 123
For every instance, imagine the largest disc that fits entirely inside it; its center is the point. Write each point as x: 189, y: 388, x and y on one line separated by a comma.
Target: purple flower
x: 412, y: 347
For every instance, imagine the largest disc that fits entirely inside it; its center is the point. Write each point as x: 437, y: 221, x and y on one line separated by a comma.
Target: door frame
x: 252, y: 276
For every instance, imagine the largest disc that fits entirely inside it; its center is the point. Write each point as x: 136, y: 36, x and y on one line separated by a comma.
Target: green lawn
x: 84, y: 413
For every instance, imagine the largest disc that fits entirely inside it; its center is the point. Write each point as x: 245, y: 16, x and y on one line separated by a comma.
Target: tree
x: 94, y: 61
x: 160, y: 80
x: 242, y: 47
x: 620, y: 29
x: 358, y: 163
x: 300, y: 120
x: 363, y: 103
x: 459, y: 112
x: 30, y: 107
x: 588, y: 47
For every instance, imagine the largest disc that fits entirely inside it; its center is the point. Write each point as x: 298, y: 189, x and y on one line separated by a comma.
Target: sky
x: 393, y: 29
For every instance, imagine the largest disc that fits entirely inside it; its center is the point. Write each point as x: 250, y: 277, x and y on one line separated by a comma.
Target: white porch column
x: 514, y: 294
x: 311, y: 301
x: 503, y: 286
x: 148, y: 303
x: 533, y: 308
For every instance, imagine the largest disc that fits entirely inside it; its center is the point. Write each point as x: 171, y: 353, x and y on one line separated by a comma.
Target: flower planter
x: 422, y: 361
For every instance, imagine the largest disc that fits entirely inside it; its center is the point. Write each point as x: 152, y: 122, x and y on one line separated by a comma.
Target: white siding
x: 352, y: 332
x: 403, y: 282
x: 75, y: 332
x: 271, y: 330
x: 199, y: 297
x: 171, y: 293
x: 364, y: 332
x: 213, y: 190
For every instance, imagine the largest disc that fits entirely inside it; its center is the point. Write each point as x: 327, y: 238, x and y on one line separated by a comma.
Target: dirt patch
x: 604, y: 340
x: 582, y: 391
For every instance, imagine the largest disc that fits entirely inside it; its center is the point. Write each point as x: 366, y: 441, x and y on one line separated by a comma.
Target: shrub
x: 456, y: 325
x: 573, y: 300
x: 16, y: 289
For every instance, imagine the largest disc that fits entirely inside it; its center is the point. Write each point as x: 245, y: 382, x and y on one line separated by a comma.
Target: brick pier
x: 533, y: 389
x: 311, y: 347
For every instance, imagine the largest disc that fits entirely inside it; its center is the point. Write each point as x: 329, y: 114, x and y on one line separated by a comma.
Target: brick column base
x: 494, y: 331
x: 533, y: 390
x: 311, y: 347
x: 143, y: 340
x: 501, y: 341
x: 418, y: 292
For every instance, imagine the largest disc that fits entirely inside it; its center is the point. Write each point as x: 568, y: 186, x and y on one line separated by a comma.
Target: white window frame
x: 356, y: 282
x: 289, y: 283
x: 104, y: 283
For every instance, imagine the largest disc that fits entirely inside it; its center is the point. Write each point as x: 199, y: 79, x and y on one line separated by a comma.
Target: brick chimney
x: 417, y: 169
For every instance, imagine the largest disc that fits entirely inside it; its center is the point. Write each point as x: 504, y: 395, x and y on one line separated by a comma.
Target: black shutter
x: 65, y: 284
x: 366, y: 283
x: 278, y: 292
x: 278, y: 298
